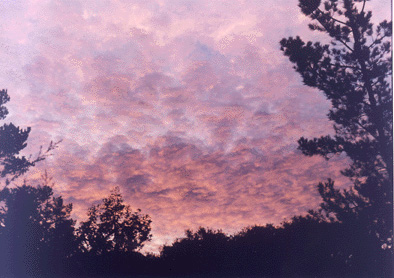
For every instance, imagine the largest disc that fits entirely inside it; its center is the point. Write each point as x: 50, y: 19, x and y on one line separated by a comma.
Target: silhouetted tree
x: 34, y: 225
x: 256, y: 251
x: 354, y: 73
x: 12, y: 141
x: 36, y: 231
x: 113, y: 227
x: 310, y: 247
x: 203, y: 251
x: 304, y: 246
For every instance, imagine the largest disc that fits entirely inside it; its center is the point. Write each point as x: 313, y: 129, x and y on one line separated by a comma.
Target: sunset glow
x: 188, y: 106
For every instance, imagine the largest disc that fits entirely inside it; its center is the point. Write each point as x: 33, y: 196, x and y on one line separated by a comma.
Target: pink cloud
x: 189, y: 106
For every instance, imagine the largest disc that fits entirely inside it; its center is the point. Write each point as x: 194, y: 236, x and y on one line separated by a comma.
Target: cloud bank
x: 188, y: 106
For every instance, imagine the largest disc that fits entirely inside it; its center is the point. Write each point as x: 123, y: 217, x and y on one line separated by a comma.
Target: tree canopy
x: 36, y: 231
x: 354, y: 73
x: 113, y: 226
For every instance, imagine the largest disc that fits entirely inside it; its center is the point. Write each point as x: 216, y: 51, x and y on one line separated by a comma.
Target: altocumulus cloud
x: 188, y: 106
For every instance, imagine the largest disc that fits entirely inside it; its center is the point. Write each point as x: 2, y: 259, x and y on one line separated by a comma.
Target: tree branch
x: 362, y: 10
x: 344, y: 43
x: 337, y: 20
x: 343, y: 66
x: 366, y: 129
x: 377, y: 41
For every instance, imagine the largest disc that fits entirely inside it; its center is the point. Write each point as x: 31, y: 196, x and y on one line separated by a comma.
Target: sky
x: 189, y: 106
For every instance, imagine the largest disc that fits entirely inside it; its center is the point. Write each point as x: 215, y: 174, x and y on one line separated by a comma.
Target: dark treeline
x: 39, y: 239
x: 303, y: 246
x: 349, y: 235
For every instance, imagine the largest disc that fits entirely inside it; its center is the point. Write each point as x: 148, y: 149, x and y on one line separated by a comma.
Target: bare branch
x: 362, y: 10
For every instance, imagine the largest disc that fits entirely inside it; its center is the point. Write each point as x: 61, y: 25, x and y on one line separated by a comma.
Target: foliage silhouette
x: 36, y: 231
x: 255, y: 251
x: 202, y: 251
x: 34, y: 225
x: 113, y: 227
x: 354, y: 73
x: 304, y: 246
x: 12, y: 142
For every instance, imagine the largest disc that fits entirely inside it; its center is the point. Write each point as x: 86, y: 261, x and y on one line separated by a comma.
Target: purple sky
x: 189, y: 106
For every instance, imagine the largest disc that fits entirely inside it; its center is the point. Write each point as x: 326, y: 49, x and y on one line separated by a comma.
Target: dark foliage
x: 35, y: 227
x: 38, y: 239
x: 304, y: 246
x: 201, y: 252
x: 109, y: 240
x: 12, y: 142
x: 36, y: 231
x: 110, y: 264
x: 113, y: 227
x: 354, y: 72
